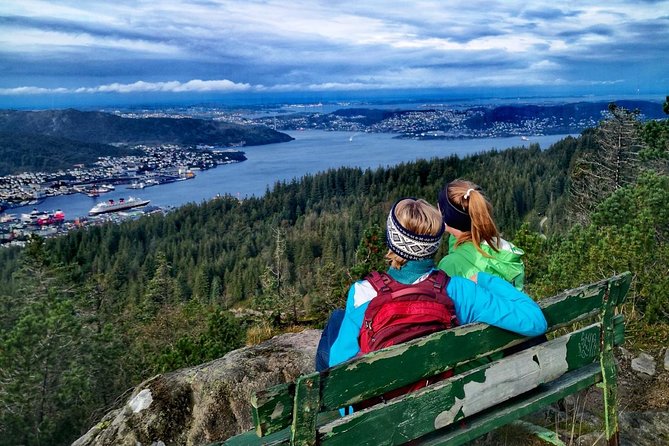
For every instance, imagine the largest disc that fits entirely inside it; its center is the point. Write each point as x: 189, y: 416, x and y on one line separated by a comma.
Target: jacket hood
x: 505, y: 263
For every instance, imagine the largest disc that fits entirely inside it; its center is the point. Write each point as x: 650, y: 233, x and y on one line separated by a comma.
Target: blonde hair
x: 469, y: 197
x: 419, y: 217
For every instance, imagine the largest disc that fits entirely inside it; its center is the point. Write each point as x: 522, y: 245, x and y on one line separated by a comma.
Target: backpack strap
x: 382, y: 282
x: 439, y: 279
x: 379, y: 281
x: 433, y: 285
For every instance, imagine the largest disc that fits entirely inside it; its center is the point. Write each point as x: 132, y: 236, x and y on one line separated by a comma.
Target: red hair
x: 469, y: 197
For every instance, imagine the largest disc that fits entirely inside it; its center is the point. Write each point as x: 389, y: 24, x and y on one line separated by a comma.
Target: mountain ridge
x: 107, y: 128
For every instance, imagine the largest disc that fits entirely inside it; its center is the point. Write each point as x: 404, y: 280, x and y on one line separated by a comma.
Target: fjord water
x: 312, y: 151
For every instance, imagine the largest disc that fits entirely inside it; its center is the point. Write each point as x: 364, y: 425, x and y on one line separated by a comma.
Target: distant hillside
x: 473, y: 122
x: 366, y: 116
x: 574, y: 112
x: 98, y: 127
x: 24, y: 152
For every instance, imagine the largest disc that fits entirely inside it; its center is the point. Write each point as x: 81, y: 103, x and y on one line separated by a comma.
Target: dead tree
x: 613, y: 164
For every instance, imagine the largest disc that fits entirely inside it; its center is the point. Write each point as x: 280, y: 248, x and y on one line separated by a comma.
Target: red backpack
x: 402, y: 312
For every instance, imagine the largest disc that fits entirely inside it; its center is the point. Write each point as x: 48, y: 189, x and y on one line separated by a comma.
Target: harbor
x: 153, y: 165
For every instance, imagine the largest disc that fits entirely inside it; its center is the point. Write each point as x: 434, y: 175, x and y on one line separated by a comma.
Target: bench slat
x: 442, y: 404
x: 272, y: 409
x: 377, y: 372
x: 514, y: 409
x: 583, y: 302
x: 620, y: 285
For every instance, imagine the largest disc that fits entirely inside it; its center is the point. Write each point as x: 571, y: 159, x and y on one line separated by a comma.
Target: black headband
x: 453, y: 215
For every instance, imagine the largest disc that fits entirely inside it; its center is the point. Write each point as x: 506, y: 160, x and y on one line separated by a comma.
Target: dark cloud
x: 629, y: 43
x: 76, y: 27
x: 477, y: 65
x: 599, y: 30
x: 464, y: 35
x: 547, y: 14
x: 650, y: 30
x: 272, y: 44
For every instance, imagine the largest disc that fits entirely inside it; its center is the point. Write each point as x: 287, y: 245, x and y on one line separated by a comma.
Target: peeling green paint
x: 498, y: 378
x: 307, y: 398
x: 547, y: 435
x: 448, y: 416
x: 371, y: 359
x: 608, y: 365
x: 278, y: 411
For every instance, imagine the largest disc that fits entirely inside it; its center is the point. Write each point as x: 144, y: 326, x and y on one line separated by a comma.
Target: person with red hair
x: 475, y: 244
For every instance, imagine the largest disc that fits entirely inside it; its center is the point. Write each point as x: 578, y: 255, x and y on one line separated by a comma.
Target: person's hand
x: 474, y: 278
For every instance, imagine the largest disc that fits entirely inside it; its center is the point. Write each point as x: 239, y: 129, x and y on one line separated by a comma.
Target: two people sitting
x: 480, y: 280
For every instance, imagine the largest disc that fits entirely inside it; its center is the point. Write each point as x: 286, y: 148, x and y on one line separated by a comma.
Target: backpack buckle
x: 386, y: 283
x: 436, y: 283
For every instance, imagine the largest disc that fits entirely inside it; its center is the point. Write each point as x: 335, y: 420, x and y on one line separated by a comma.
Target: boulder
x: 591, y: 439
x: 645, y: 363
x: 205, y: 403
x: 666, y: 359
x: 649, y: 428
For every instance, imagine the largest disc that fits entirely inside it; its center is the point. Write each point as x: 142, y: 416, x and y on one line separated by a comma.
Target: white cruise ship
x: 115, y: 206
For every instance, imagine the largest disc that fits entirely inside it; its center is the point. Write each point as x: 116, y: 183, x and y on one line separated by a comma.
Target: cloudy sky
x: 124, y: 48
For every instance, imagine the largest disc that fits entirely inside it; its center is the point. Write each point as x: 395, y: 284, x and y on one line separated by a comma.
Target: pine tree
x: 216, y: 295
x: 42, y: 371
x: 162, y: 288
x: 656, y: 138
x: 202, y: 288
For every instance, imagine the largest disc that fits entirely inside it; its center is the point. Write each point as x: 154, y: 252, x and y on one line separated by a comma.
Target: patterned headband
x: 408, y: 244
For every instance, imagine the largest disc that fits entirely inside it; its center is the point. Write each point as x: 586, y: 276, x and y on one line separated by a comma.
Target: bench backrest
x: 413, y: 415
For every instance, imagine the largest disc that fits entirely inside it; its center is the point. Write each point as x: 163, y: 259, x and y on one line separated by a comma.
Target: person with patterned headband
x: 413, y: 233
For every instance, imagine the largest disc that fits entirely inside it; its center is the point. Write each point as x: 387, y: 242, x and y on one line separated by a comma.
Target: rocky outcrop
x: 205, y: 403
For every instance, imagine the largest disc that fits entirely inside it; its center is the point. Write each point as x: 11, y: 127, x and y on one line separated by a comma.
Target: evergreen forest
x: 86, y: 316
x: 33, y: 152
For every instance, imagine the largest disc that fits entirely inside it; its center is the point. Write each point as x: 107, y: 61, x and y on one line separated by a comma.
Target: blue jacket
x: 493, y: 301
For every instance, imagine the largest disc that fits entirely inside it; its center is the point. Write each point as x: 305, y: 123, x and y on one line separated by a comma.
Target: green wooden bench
x: 578, y: 355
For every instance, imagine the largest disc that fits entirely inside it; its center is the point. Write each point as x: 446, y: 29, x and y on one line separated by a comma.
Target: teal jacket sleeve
x: 495, y: 301
x: 346, y: 345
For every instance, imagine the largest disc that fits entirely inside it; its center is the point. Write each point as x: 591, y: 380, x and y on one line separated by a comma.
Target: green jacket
x: 466, y: 260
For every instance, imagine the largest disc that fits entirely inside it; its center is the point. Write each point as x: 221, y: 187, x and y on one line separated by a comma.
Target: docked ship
x: 115, y: 206
x: 94, y: 191
x: 41, y: 218
x: 142, y: 184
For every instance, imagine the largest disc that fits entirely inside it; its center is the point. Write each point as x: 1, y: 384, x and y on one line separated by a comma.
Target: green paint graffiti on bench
x: 540, y: 375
